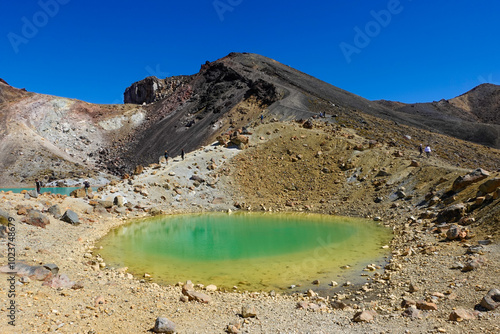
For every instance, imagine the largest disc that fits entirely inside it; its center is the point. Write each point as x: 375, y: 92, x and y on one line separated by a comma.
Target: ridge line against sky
x: 400, y: 50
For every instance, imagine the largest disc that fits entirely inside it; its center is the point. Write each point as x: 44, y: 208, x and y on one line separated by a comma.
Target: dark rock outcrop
x: 475, y: 176
x: 152, y: 89
x: 70, y: 217
x: 452, y: 214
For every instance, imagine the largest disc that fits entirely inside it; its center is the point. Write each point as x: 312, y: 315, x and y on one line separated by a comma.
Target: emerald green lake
x: 252, y: 251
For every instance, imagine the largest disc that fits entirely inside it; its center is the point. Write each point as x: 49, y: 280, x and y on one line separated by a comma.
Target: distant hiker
x: 166, y: 156
x: 428, y: 151
x: 421, y: 150
x: 182, y: 154
x: 86, y: 184
x: 38, y: 185
x: 261, y: 119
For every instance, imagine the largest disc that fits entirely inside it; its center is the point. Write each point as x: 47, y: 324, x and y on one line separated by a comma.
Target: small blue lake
x: 53, y: 190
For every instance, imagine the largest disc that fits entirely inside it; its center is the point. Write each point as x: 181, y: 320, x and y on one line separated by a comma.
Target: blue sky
x: 406, y: 50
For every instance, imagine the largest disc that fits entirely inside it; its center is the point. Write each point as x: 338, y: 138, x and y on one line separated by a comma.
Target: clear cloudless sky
x: 406, y: 50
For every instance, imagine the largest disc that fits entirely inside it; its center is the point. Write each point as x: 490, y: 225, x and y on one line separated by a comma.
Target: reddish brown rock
x: 198, y: 296
x: 462, y: 314
x: 59, y: 281
x: 364, y: 316
x: 426, y: 306
x: 36, y: 218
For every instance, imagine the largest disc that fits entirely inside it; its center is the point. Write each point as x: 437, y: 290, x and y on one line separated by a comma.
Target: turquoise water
x: 252, y: 251
x: 54, y: 190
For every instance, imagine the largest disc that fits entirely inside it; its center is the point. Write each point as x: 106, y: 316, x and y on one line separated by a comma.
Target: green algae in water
x: 253, y: 251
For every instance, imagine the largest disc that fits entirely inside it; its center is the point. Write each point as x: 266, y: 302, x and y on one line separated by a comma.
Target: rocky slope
x: 53, y: 138
x: 61, y: 138
x: 472, y: 116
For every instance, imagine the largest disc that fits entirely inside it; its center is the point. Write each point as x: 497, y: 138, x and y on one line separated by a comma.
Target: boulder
x: 70, y: 217
x: 105, y: 204
x: 492, y: 300
x: 234, y: 327
x: 78, y: 193
x: 496, y: 194
x: 138, y: 170
x: 163, y: 325
x: 187, y: 287
x: 407, y: 303
x: 461, y: 314
x: 38, y: 273
x: 473, y: 264
x: 61, y: 281
x: 463, y: 182
x: 308, y: 124
x: 339, y: 305
x: 224, y: 140
x: 490, y: 186
x: 118, y: 201
x: 453, y: 232
x: 32, y: 193
x: 211, y: 288
x: 198, y: 296
x: 36, y: 218
x: 426, y: 306
x: 23, y: 210
x: 364, y: 316
x: 382, y: 173
x: 239, y: 140
x: 413, y: 288
x: 411, y: 312
x: 196, y: 178
x: 452, y: 213
x: 55, y: 211
x: 248, y: 311
x: 400, y: 194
